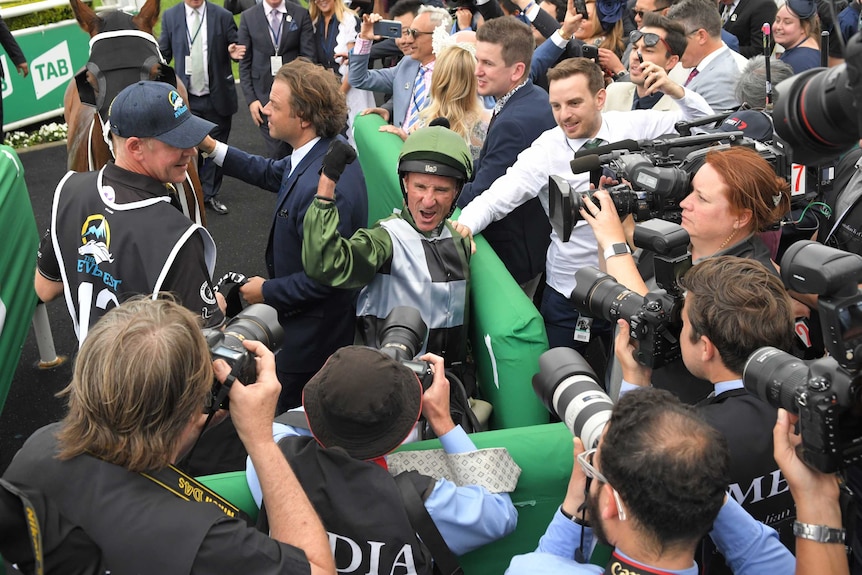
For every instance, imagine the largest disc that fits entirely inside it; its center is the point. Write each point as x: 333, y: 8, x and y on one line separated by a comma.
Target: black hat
x: 362, y: 401
x: 804, y: 9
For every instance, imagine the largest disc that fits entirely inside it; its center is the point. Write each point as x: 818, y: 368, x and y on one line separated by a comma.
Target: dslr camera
x: 401, y: 337
x: 825, y: 393
x: 257, y: 322
x: 655, y: 319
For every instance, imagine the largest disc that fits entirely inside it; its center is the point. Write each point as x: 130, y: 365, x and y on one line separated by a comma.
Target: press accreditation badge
x: 274, y: 64
x: 188, y: 62
x: 582, y: 329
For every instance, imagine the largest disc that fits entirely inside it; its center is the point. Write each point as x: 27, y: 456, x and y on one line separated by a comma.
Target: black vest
x: 360, y: 507
x: 109, y: 252
x: 139, y: 526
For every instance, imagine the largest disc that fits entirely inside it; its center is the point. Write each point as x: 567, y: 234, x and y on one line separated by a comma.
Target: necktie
x: 694, y: 72
x: 198, y: 78
x: 418, y: 101
x: 275, y: 24
x: 594, y: 143
x: 725, y: 15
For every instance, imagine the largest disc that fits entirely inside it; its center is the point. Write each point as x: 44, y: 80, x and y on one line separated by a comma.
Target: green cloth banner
x: 54, y: 53
x: 17, y: 266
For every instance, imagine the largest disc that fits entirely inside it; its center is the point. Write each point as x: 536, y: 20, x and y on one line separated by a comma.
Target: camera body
x: 825, y: 393
x: 257, y: 322
x: 401, y: 337
x: 655, y: 319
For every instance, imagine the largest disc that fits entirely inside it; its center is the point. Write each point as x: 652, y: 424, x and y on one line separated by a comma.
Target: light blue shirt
x: 467, y: 517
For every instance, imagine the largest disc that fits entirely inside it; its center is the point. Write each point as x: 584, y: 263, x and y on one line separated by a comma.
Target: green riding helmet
x: 438, y: 151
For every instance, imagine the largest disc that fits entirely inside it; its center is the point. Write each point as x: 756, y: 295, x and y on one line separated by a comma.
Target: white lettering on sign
x: 52, y: 70
x: 6, y: 82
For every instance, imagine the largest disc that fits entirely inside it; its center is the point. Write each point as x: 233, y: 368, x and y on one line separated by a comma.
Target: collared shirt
x: 710, y: 57
x: 502, y: 101
x: 645, y: 102
x: 193, y: 34
x: 275, y: 35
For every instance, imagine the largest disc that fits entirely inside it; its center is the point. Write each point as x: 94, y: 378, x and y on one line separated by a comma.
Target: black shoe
x: 217, y: 206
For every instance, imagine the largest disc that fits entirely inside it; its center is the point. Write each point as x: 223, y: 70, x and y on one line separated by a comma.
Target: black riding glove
x: 339, y: 154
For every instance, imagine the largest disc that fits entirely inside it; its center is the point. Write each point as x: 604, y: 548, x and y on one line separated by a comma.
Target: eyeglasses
x: 414, y: 32
x: 693, y: 32
x: 640, y: 13
x: 650, y: 39
x: 585, y: 460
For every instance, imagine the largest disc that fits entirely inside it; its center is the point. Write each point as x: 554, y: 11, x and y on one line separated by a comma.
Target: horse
x: 123, y: 50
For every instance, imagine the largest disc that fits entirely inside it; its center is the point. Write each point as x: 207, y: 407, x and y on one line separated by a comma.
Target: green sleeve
x: 338, y: 262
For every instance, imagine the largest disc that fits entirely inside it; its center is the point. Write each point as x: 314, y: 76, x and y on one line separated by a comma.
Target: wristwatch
x: 818, y: 533
x: 617, y: 249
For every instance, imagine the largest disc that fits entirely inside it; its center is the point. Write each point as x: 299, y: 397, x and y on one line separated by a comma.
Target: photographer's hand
x: 464, y: 17
x: 575, y: 493
x: 435, y: 401
x: 602, y: 216
x: 816, y: 497
x: 624, y: 351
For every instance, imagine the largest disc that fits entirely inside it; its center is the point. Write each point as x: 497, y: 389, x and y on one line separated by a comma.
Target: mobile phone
x: 581, y: 8
x: 591, y: 52
x: 387, y: 28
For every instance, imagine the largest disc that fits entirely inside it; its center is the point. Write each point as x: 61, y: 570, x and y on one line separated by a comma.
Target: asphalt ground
x: 240, y: 237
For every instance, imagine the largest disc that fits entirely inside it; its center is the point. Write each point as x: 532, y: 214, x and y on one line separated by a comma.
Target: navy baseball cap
x: 754, y: 124
x: 156, y: 110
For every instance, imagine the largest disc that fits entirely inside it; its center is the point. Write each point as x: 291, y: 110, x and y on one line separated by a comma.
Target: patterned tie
x: 418, y: 101
x: 694, y: 72
x: 275, y: 24
x: 594, y: 143
x: 198, y: 79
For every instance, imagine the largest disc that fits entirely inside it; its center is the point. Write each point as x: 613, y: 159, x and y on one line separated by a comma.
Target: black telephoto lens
x: 775, y: 376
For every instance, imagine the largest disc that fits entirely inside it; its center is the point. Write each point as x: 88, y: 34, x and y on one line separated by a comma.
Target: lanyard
x: 198, y: 31
x: 276, y: 35
x: 188, y: 488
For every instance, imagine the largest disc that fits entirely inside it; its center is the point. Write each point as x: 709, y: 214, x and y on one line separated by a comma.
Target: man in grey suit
x: 713, y: 70
x: 400, y: 80
x: 199, y: 29
x: 274, y: 33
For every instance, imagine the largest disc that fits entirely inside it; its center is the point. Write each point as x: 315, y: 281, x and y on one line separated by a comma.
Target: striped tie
x: 418, y: 100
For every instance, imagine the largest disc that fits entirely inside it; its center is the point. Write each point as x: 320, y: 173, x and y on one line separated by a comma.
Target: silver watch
x: 819, y: 533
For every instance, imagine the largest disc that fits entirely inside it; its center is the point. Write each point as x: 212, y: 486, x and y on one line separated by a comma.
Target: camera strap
x: 619, y: 564
x: 188, y: 488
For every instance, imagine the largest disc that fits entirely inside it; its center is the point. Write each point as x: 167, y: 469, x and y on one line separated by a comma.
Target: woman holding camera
x: 735, y: 195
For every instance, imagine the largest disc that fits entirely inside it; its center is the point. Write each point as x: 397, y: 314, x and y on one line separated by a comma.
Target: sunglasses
x: 585, y: 459
x: 640, y: 13
x: 650, y: 40
x: 414, y: 32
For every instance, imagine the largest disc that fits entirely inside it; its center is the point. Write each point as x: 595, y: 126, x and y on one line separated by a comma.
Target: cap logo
x: 177, y: 103
x: 431, y: 169
x: 741, y: 124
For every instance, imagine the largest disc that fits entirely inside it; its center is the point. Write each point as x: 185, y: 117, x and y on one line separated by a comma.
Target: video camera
x: 658, y: 173
x: 257, y: 322
x: 654, y: 319
x: 824, y: 392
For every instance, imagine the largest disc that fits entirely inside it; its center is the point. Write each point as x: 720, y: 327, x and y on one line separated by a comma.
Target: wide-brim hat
x: 363, y: 402
x: 156, y: 110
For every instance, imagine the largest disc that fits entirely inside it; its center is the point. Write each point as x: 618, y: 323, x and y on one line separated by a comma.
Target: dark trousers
x: 210, y: 173
x: 275, y: 149
x: 561, y: 319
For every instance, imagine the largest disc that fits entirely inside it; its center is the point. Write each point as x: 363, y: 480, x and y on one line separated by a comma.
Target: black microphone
x: 440, y: 121
x: 630, y: 145
x: 585, y: 163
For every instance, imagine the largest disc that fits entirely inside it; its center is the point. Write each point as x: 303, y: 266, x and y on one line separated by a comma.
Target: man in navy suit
x: 504, y: 51
x: 274, y: 33
x: 745, y: 19
x: 307, y: 110
x: 198, y: 24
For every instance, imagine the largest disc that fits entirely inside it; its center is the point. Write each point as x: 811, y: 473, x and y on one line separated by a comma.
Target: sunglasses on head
x: 650, y: 39
x: 640, y: 13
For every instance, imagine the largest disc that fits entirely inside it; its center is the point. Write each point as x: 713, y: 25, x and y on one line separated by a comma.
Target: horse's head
x: 122, y: 51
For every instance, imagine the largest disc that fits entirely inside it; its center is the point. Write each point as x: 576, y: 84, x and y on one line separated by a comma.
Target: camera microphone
x: 440, y: 121
x: 630, y: 145
x: 585, y: 163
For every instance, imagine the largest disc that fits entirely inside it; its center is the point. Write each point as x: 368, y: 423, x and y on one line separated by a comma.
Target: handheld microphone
x: 586, y: 163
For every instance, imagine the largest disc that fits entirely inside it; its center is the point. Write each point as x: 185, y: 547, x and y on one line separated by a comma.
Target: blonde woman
x: 334, y: 36
x: 454, y: 96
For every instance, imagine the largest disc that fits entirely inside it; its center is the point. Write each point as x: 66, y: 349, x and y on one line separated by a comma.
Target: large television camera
x: 658, y: 174
x: 655, y: 319
x: 824, y: 392
x: 819, y: 113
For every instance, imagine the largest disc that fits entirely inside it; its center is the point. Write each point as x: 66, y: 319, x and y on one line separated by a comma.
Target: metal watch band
x: 819, y: 533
